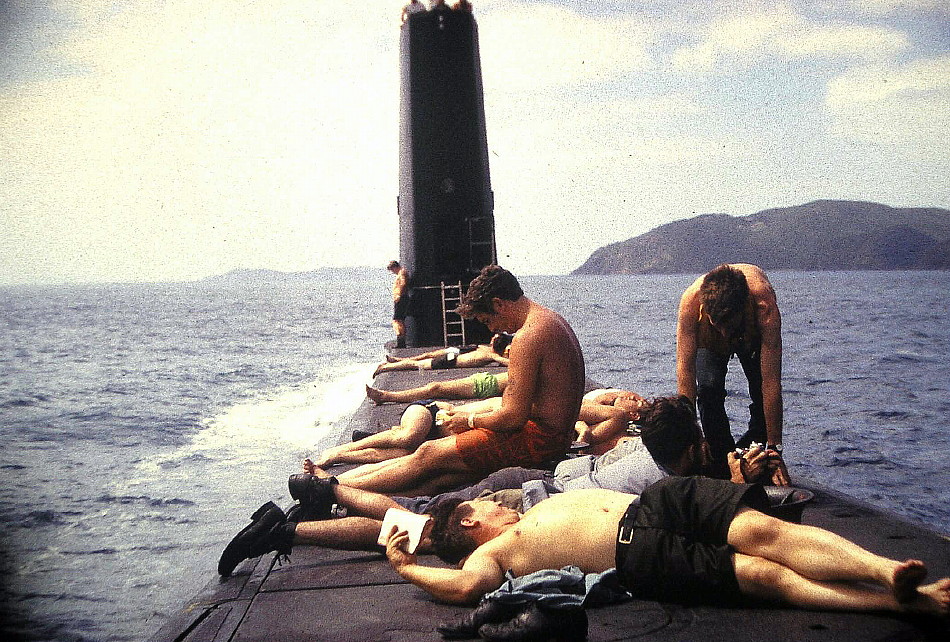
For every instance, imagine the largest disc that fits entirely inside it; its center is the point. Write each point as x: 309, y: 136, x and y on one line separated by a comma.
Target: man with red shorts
x: 533, y: 425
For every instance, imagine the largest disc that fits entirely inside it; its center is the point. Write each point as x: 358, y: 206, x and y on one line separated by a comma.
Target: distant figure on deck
x: 732, y: 310
x: 535, y: 422
x: 400, y: 301
x: 689, y: 540
x: 414, y: 6
x: 475, y: 356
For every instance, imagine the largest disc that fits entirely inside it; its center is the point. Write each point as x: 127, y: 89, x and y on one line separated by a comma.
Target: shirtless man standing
x: 400, y: 302
x: 732, y: 310
x: 535, y: 422
x: 731, y: 555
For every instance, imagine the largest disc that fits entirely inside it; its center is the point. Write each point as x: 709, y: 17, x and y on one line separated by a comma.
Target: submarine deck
x: 325, y: 594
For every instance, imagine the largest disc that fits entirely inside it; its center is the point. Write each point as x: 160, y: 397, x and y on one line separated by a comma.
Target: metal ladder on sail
x: 453, y: 326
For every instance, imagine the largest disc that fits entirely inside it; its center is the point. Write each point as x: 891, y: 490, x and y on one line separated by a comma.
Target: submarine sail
x: 445, y: 204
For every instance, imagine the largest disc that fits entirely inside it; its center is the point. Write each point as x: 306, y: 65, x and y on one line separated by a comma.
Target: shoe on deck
x: 252, y: 539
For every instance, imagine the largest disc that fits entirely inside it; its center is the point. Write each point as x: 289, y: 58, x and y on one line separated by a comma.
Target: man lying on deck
x: 691, y: 540
x: 480, y: 385
x: 671, y: 442
x: 535, y: 423
x: 417, y: 423
x: 604, y: 415
x: 454, y: 357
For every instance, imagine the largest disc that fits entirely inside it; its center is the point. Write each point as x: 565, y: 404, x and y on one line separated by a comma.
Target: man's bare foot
x: 907, y: 577
x: 931, y: 599
x: 376, y: 395
x: 312, y: 469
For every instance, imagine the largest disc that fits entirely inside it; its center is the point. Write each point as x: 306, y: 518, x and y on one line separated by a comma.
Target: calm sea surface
x: 141, y: 424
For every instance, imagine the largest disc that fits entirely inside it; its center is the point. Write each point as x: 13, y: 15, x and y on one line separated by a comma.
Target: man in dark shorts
x: 711, y: 543
x: 400, y: 301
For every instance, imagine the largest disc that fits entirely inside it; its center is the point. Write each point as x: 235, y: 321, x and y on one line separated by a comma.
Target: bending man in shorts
x: 687, y: 539
x: 535, y: 422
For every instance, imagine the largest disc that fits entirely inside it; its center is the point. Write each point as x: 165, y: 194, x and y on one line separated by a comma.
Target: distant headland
x: 822, y: 235
x: 266, y: 277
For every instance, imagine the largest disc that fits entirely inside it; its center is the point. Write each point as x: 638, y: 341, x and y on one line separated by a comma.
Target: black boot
x: 249, y: 542
x: 539, y: 624
x: 487, y: 612
x: 315, y: 495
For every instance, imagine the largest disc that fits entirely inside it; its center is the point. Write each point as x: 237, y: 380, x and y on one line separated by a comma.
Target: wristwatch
x: 776, y: 447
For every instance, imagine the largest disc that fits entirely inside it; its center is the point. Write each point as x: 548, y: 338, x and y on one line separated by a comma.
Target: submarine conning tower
x: 445, y: 204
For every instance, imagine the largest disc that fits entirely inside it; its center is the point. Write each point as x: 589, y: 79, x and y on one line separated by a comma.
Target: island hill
x: 822, y: 235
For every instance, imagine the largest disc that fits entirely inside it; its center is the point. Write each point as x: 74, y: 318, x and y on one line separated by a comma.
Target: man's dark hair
x: 723, y: 294
x: 669, y: 428
x: 450, y: 541
x: 501, y: 341
x: 493, y: 281
x: 392, y: 264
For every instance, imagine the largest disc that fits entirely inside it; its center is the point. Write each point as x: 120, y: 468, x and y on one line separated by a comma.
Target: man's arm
x: 770, y: 359
x: 687, y: 324
x: 479, y: 575
x: 771, y: 363
x: 518, y: 398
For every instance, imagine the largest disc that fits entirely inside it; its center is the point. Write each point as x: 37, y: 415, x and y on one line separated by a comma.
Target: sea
x: 141, y: 424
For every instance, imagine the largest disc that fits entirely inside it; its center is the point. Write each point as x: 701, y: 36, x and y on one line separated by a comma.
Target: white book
x: 403, y: 520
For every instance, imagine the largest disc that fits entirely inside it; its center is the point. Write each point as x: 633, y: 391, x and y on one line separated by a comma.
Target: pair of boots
x: 499, y: 622
x: 273, y: 530
x: 268, y: 531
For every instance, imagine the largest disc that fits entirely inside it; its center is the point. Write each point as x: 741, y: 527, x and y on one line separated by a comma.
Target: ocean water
x: 141, y: 424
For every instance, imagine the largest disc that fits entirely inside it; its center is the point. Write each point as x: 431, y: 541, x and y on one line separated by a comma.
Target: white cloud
x: 906, y: 105
x: 204, y: 137
x: 891, y: 6
x: 179, y: 139
x: 530, y: 47
x: 742, y: 38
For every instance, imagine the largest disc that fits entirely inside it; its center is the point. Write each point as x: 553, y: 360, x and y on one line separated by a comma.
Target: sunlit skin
x: 778, y: 561
x: 761, y: 322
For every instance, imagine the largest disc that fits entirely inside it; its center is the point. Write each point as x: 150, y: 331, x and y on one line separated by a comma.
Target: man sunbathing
x: 417, y: 423
x: 671, y: 442
x: 480, y: 385
x: 454, y: 357
x: 604, y: 416
x: 691, y: 540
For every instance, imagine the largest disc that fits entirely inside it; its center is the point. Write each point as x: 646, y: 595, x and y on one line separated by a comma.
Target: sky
x: 172, y: 140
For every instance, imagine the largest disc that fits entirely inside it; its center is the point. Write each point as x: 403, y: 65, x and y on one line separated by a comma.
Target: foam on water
x: 298, y: 416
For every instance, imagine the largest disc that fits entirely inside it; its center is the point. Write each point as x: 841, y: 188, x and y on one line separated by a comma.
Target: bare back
x: 554, y: 368
x: 577, y: 528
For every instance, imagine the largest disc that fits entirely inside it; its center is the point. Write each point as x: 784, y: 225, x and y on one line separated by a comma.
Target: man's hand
x: 778, y: 468
x: 749, y: 467
x: 453, y: 422
x: 396, y: 546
